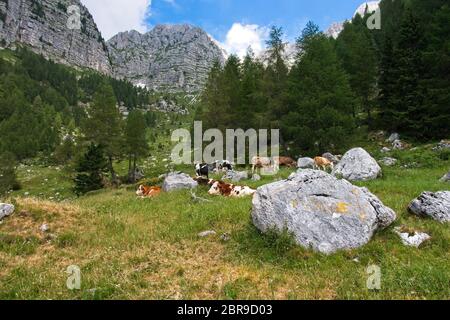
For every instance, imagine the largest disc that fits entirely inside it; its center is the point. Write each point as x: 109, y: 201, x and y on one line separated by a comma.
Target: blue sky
x: 218, y: 16
x: 236, y: 24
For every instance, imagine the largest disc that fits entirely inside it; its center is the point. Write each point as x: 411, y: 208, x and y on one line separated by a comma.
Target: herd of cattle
x: 203, y: 171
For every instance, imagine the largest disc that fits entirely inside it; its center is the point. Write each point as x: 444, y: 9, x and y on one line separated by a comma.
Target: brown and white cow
x: 285, y: 162
x: 322, y: 163
x: 230, y: 190
x: 261, y: 162
x: 148, y: 192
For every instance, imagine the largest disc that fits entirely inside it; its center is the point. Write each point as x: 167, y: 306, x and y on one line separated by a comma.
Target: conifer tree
x: 90, y: 169
x: 104, y: 125
x: 135, y: 141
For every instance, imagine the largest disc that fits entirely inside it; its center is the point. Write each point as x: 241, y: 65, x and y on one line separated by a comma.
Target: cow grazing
x: 323, y: 163
x: 260, y: 162
x: 285, y: 162
x: 202, y: 170
x: 230, y: 190
x: 148, y: 192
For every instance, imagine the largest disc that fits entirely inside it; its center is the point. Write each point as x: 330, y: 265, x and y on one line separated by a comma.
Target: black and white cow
x: 224, y: 165
x: 202, y: 170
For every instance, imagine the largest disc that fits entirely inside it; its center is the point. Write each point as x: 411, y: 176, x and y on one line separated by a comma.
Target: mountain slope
x: 42, y: 25
x: 169, y: 57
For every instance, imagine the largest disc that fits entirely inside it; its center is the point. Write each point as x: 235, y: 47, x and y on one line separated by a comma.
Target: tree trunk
x: 111, y: 171
x: 134, y: 169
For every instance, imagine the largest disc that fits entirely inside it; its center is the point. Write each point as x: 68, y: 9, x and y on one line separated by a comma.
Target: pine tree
x: 135, y: 141
x: 407, y: 100
x: 275, y: 78
x: 104, y: 125
x: 8, y: 178
x: 356, y: 48
x: 90, y: 169
x: 320, y: 98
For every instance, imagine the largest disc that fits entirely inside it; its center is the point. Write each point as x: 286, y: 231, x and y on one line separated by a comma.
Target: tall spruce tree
x: 135, y: 141
x: 320, y: 97
x: 8, y: 177
x: 103, y: 127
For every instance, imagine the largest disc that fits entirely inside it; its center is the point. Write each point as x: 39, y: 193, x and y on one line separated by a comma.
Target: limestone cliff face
x: 169, y: 57
x: 42, y: 26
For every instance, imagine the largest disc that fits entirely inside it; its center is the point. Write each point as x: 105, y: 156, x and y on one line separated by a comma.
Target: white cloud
x: 114, y: 16
x: 240, y: 37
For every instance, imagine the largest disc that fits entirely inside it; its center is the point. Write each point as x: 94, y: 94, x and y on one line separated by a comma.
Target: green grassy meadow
x: 129, y: 248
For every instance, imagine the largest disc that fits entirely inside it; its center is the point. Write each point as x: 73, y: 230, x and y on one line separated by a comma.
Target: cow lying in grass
x: 230, y: 190
x: 148, y: 192
x: 321, y: 163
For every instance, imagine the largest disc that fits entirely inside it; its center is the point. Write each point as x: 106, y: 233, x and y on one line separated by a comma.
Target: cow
x: 230, y: 190
x: 148, y: 192
x: 322, y: 163
x: 223, y: 165
x: 260, y: 162
x: 285, y: 162
x: 202, y: 170
x: 204, y: 182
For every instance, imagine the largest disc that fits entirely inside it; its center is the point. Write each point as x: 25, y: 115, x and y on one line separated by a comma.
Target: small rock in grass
x: 208, y: 233
x: 446, y: 178
x: 388, y: 162
x: 256, y: 177
x: 412, y: 240
x: 225, y: 237
x: 44, y: 228
x: 385, y: 150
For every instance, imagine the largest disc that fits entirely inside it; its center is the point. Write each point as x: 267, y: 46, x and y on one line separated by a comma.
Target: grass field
x: 128, y: 248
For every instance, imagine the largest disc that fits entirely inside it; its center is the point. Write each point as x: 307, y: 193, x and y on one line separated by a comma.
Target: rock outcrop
x: 169, y: 57
x: 358, y: 165
x: 321, y: 211
x: 433, y: 205
x: 42, y: 25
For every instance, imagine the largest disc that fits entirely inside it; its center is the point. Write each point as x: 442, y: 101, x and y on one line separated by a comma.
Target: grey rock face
x: 358, y: 165
x: 178, y: 181
x: 389, y: 162
x: 169, y: 57
x: 335, y: 29
x: 305, y: 163
x: 6, y: 210
x: 433, y: 205
x: 236, y: 176
x: 322, y: 212
x: 42, y: 26
x: 446, y: 178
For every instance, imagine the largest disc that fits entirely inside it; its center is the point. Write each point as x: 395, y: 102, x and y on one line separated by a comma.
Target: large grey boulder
x: 6, y: 210
x: 446, y: 178
x: 178, y: 181
x: 358, y: 165
x: 305, y: 163
x: 321, y: 211
x: 432, y: 205
x: 236, y: 176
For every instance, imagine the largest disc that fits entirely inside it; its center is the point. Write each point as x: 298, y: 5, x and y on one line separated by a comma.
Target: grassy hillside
x: 129, y: 248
